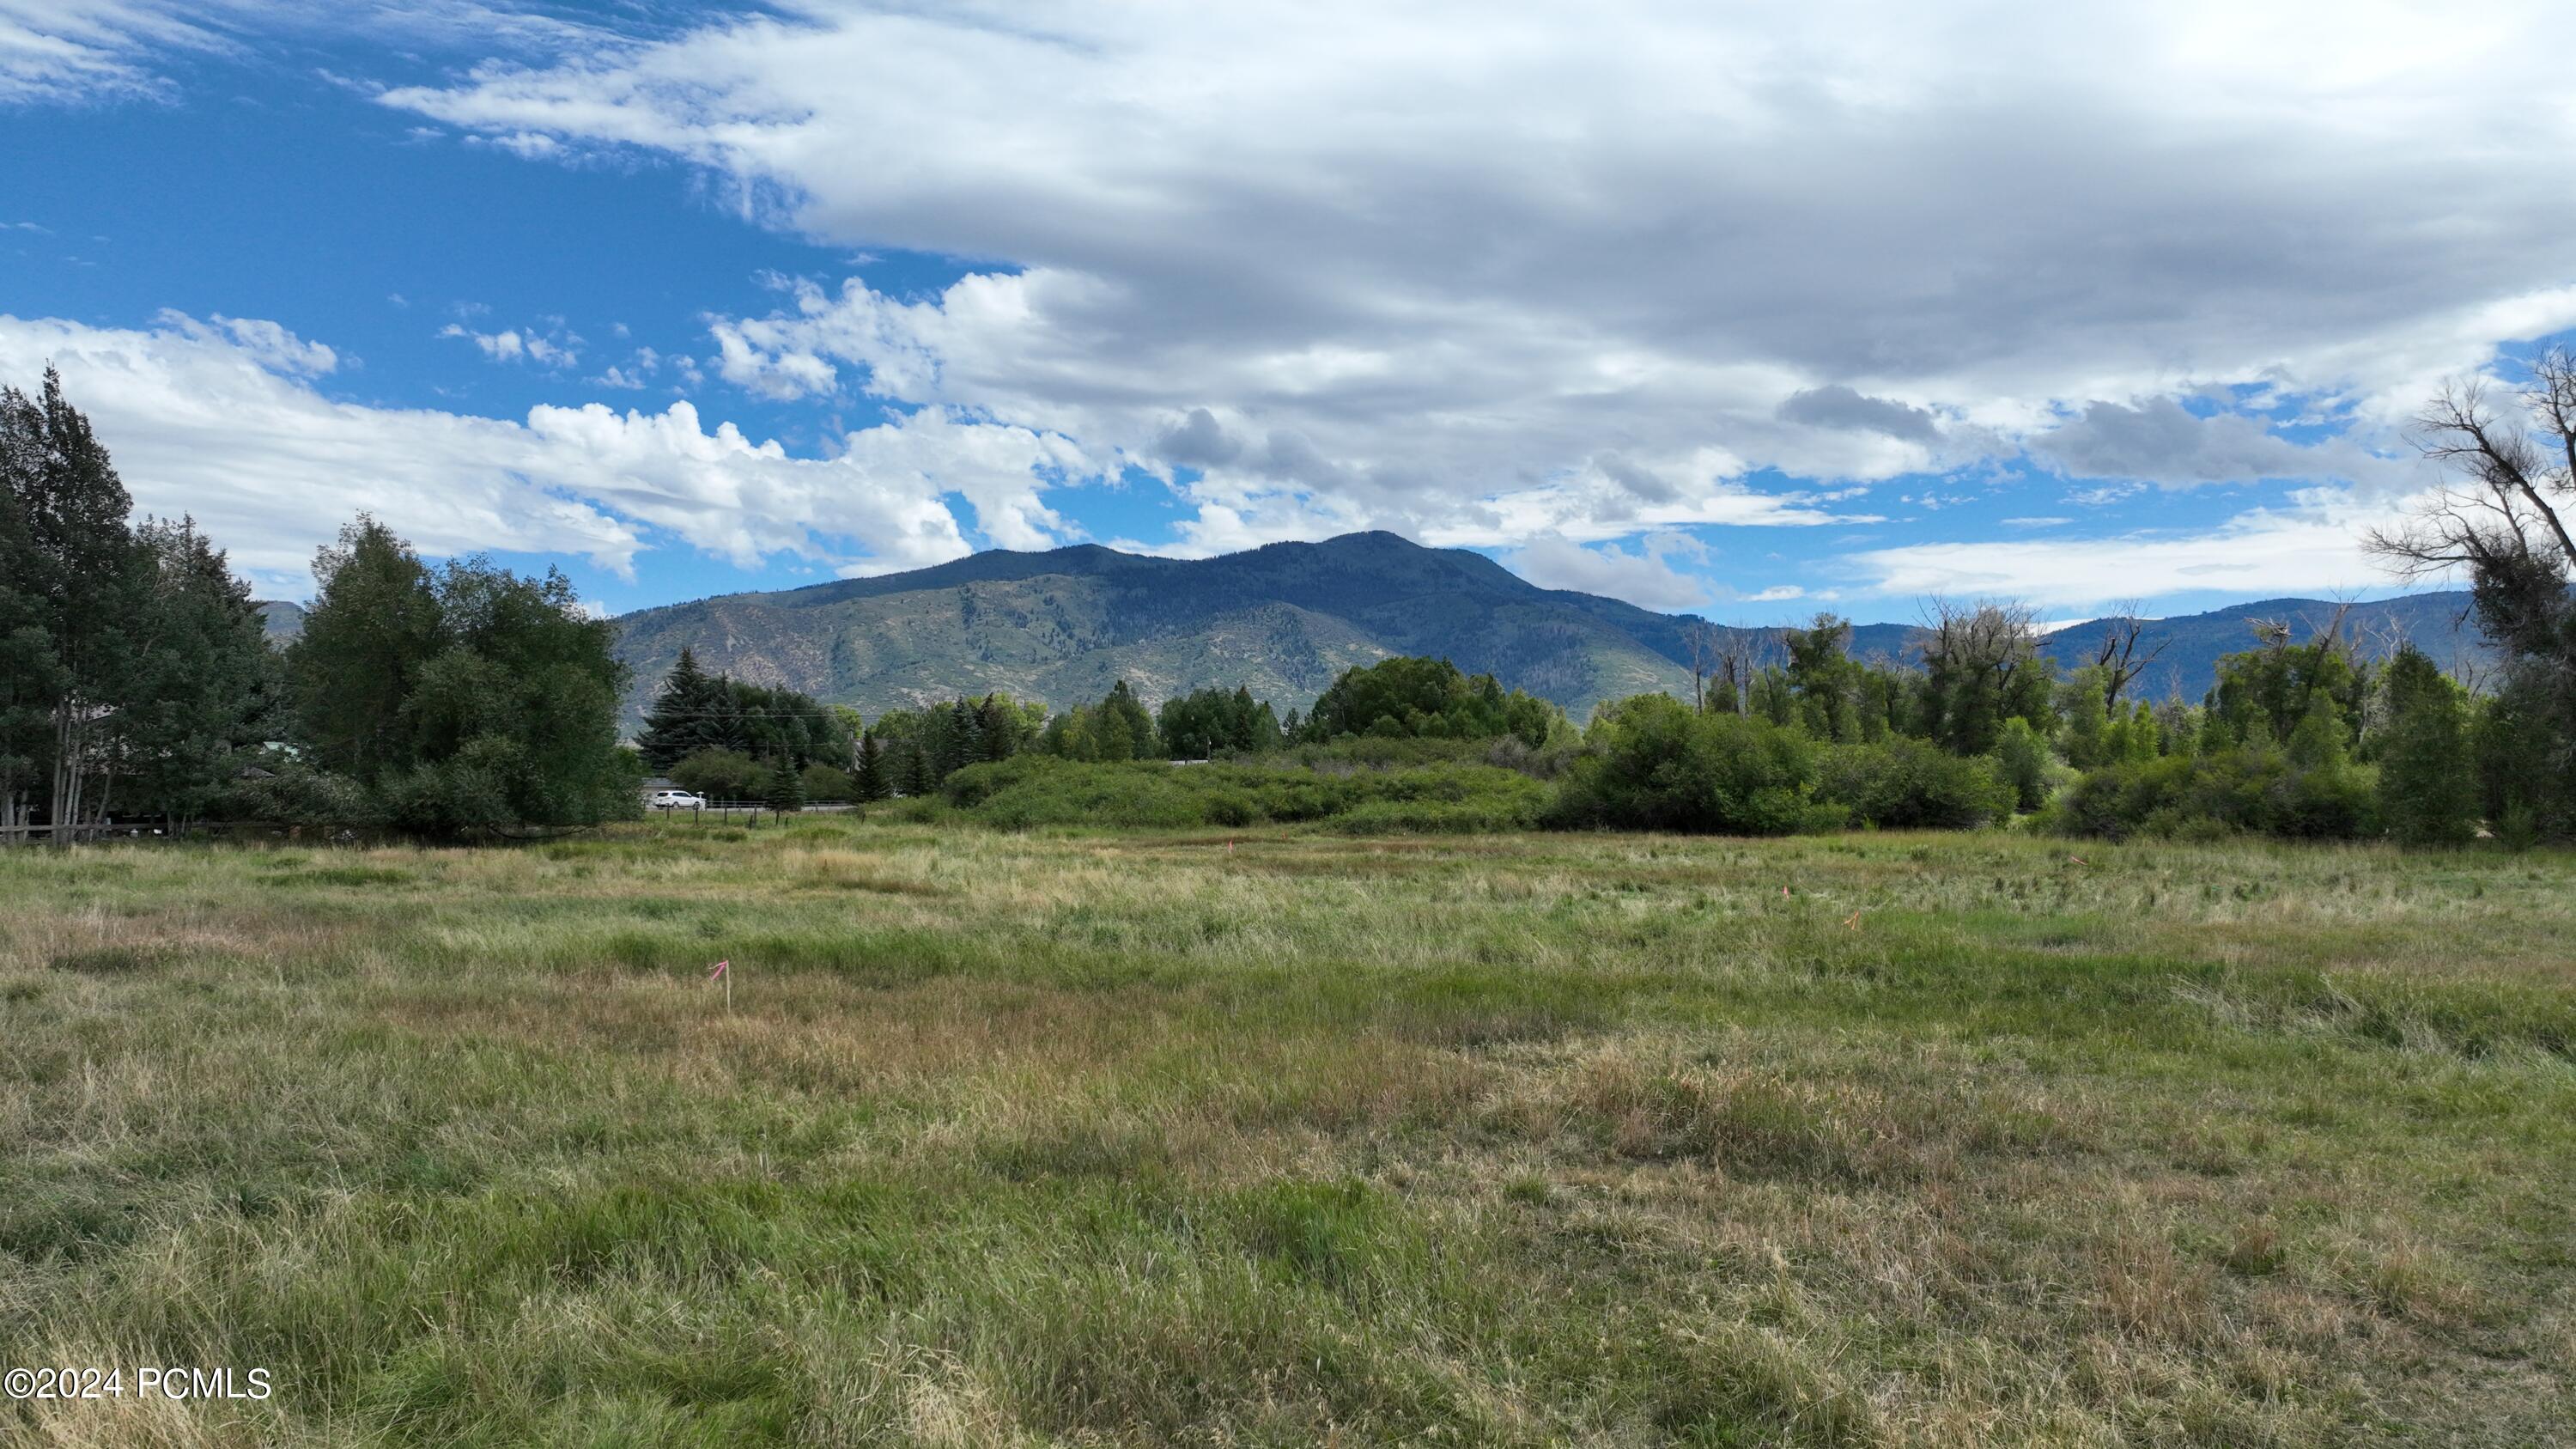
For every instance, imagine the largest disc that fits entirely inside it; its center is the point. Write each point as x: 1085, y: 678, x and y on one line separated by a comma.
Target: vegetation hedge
x: 1908, y: 784
x: 2252, y: 790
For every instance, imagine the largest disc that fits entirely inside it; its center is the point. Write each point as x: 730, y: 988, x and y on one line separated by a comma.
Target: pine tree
x: 786, y: 790
x: 2427, y: 783
x: 1139, y: 733
x: 31, y: 679
x: 996, y: 729
x: 198, y: 672
x: 684, y: 716
x: 88, y: 580
x: 868, y: 780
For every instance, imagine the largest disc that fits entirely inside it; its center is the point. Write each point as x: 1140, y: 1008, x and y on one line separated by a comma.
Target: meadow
x: 1289, y: 1137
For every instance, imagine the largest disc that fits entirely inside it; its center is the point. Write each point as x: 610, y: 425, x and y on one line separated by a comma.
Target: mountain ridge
x: 1283, y: 619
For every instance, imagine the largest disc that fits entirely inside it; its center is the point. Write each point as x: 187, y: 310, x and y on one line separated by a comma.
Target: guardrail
x: 724, y: 811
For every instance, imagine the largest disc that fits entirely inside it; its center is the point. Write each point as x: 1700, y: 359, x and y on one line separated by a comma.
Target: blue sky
x: 1736, y: 317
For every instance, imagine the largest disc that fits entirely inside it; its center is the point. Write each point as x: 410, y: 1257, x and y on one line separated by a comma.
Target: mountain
x: 2192, y: 644
x: 1061, y: 626
x: 1281, y: 620
x: 281, y: 622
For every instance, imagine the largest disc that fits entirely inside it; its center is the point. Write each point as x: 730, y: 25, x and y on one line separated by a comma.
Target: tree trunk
x: 66, y: 796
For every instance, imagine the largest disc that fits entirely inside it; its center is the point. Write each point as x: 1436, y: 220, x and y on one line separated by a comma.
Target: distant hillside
x: 1061, y: 626
x: 2438, y: 624
x: 1282, y: 621
x: 281, y: 621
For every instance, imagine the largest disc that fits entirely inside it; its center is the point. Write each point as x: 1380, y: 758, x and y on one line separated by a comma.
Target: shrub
x: 1652, y: 763
x: 294, y: 794
x: 1041, y: 790
x: 720, y: 775
x: 1913, y: 784
x: 2253, y: 789
x: 827, y: 782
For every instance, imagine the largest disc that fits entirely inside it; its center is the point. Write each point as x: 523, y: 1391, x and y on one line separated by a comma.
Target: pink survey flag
x: 718, y: 969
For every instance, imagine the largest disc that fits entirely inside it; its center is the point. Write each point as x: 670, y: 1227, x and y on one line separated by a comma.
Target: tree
x: 1122, y: 705
x: 868, y: 780
x: 1982, y: 666
x: 2503, y: 518
x: 469, y: 700
x: 198, y: 676
x: 2083, y: 705
x: 31, y: 678
x: 2021, y: 757
x: 2263, y: 693
x: 2427, y: 786
x: 2124, y: 654
x: 86, y: 580
x: 686, y: 716
x: 1824, y: 677
x: 1406, y: 697
x: 719, y: 775
x: 373, y: 627
x: 785, y: 792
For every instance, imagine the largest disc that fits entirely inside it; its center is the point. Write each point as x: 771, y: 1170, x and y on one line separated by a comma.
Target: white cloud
x: 2310, y: 547
x: 1428, y: 268
x: 552, y: 349
x: 2159, y: 441
x: 1644, y: 578
x: 89, y: 50
x: 222, y: 419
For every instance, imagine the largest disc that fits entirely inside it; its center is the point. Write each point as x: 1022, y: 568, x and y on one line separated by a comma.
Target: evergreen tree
x: 997, y: 728
x: 918, y: 780
x: 1138, y: 734
x: 868, y: 780
x: 786, y: 789
x: 87, y: 580
x: 199, y: 671
x: 686, y: 715
x: 2427, y: 784
x: 31, y: 679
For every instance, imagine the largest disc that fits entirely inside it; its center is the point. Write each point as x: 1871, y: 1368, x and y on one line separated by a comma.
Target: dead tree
x: 2121, y: 657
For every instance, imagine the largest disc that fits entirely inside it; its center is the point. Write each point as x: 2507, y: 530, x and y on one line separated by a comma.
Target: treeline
x: 733, y: 741
x: 2301, y: 739
x: 136, y: 682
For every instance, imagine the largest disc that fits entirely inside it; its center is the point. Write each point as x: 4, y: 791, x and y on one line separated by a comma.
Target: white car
x: 674, y: 800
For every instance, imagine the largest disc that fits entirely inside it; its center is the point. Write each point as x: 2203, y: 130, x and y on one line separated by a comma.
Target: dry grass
x: 1294, y: 1139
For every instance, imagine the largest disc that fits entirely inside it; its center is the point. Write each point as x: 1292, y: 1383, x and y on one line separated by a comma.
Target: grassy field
x: 1152, y: 1139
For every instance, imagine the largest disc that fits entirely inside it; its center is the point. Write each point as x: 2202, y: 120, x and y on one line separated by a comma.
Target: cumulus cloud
x: 2162, y: 442
x: 552, y: 349
x: 1375, y: 267
x: 223, y: 419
